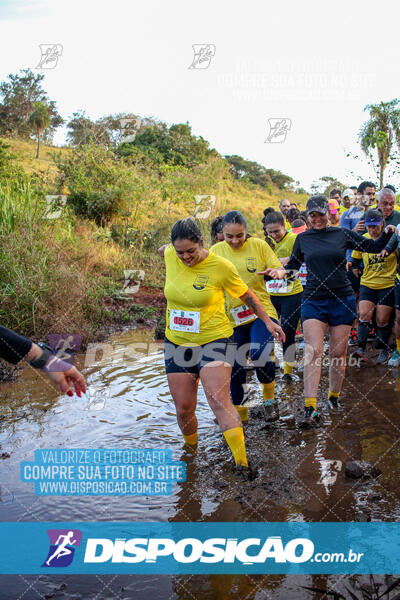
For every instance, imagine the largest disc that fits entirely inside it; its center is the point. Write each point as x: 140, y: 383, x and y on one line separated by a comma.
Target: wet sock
x: 333, y: 394
x: 268, y: 391
x: 398, y: 345
x: 362, y: 333
x: 287, y: 368
x: 243, y: 413
x: 190, y: 439
x: 311, y: 402
x: 235, y: 440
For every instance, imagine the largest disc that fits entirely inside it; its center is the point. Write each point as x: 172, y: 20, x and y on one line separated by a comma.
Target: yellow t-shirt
x: 199, y: 289
x: 282, y: 249
x: 342, y: 209
x: 379, y: 273
x: 255, y: 255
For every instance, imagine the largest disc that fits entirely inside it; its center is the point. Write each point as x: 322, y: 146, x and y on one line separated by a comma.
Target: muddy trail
x: 301, y: 472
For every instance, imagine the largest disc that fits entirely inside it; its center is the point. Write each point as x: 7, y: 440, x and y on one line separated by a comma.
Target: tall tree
x: 18, y: 95
x: 380, y: 131
x: 39, y: 120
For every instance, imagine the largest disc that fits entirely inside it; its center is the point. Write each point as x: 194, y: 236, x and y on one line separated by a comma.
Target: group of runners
x: 230, y: 303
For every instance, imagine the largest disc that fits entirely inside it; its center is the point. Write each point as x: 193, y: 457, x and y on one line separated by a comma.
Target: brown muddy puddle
x: 301, y: 472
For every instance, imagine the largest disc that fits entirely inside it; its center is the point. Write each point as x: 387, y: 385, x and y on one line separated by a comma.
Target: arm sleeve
x: 297, y: 258
x: 232, y: 283
x: 358, y: 242
x: 392, y: 244
x: 271, y: 259
x: 356, y: 255
x: 13, y: 347
x: 356, y: 262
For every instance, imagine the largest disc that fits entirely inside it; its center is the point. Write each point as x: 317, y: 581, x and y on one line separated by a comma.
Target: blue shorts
x: 333, y: 311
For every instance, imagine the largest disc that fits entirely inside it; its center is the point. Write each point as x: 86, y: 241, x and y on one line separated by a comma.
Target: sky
x: 314, y: 65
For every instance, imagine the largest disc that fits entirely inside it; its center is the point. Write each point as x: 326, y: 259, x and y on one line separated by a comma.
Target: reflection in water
x: 301, y: 472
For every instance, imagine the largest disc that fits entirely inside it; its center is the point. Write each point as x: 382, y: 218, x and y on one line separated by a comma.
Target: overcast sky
x: 313, y: 63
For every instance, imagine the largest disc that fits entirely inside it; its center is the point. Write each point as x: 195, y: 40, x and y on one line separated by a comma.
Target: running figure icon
x: 63, y: 543
x: 62, y: 550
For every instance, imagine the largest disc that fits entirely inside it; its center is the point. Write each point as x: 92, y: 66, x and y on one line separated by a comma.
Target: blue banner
x: 189, y: 548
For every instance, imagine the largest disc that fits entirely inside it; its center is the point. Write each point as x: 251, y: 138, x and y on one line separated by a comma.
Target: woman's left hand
x: 391, y: 228
x: 274, y: 273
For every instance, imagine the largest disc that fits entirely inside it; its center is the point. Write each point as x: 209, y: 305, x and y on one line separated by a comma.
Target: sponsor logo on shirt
x: 200, y: 282
x: 251, y: 264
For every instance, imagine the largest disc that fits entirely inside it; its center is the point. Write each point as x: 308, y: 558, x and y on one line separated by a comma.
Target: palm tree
x: 40, y: 120
x: 381, y: 130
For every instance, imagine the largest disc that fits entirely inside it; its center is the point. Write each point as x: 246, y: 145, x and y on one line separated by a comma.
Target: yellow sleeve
x: 270, y: 258
x: 356, y: 254
x: 232, y: 283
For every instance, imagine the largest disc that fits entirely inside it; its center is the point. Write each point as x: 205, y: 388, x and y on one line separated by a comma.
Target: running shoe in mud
x: 353, y: 337
x: 382, y: 357
x: 395, y: 360
x: 359, y: 354
x: 334, y: 403
x: 311, y: 418
x: 246, y: 473
x: 287, y: 378
x: 271, y: 411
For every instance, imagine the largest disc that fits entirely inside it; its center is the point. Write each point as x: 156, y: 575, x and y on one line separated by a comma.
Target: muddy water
x: 301, y: 472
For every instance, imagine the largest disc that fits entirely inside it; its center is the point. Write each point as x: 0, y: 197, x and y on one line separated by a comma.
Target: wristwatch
x: 38, y: 363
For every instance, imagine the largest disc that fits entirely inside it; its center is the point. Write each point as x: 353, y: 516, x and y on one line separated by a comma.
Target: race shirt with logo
x: 255, y: 255
x: 379, y: 273
x: 282, y: 250
x: 196, y: 300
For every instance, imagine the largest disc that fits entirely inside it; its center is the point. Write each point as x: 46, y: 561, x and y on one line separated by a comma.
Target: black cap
x: 318, y: 204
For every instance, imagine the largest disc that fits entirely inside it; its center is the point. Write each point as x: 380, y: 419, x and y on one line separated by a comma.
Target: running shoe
x: 333, y: 403
x: 271, y: 410
x: 353, y: 337
x: 395, y: 360
x: 360, y: 354
x: 246, y: 473
x: 287, y: 378
x: 371, y: 334
x: 382, y: 357
x: 311, y: 415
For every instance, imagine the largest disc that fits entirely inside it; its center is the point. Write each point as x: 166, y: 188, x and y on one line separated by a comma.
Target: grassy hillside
x: 67, y: 274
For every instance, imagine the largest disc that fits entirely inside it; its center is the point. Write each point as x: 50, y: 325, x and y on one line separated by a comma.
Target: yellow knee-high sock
x: 243, y: 413
x: 333, y: 394
x: 235, y: 441
x: 268, y: 390
x: 190, y: 439
x: 287, y: 368
x: 311, y: 402
x: 398, y: 345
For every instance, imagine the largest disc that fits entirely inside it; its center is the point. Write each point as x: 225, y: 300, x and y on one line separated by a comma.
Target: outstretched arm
x: 253, y: 302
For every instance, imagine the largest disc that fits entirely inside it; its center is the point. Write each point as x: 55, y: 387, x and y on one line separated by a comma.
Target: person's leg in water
x: 366, y: 308
x: 383, y: 314
x: 339, y: 336
x: 242, y: 340
x: 314, y: 331
x: 394, y: 361
x: 290, y: 315
x: 261, y: 353
x: 216, y: 378
x: 183, y: 387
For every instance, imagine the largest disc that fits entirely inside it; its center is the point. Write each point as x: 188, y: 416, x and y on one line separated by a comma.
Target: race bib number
x: 242, y: 314
x: 278, y: 286
x: 303, y: 274
x: 184, y: 320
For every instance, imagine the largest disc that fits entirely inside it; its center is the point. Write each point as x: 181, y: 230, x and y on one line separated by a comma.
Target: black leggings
x: 288, y: 309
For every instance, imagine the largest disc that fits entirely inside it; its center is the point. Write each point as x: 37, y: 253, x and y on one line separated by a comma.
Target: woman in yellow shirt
x: 286, y: 293
x: 376, y: 289
x: 252, y: 258
x: 198, y: 333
